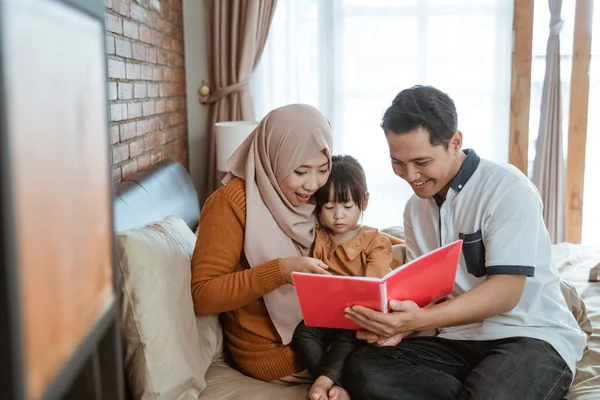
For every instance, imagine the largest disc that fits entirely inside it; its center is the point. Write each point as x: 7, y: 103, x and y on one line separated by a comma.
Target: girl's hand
x: 302, y: 264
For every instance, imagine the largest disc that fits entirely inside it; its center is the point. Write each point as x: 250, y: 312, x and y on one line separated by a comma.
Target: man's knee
x: 367, y: 372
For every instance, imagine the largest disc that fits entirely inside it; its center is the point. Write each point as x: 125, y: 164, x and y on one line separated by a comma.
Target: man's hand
x: 497, y: 295
x: 405, y: 317
x: 372, y: 338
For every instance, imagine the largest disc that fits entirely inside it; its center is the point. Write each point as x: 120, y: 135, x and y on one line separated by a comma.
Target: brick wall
x: 144, y: 44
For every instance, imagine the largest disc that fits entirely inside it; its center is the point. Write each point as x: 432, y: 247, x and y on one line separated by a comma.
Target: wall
x: 197, y: 53
x: 147, y: 93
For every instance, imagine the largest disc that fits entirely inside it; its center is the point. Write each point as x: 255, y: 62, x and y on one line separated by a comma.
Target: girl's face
x: 340, y: 217
x: 304, y: 181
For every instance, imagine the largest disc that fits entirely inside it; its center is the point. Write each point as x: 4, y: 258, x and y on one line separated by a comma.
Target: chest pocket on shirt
x: 474, y: 253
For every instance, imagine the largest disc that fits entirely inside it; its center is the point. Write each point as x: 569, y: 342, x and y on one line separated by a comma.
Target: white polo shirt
x: 497, y: 211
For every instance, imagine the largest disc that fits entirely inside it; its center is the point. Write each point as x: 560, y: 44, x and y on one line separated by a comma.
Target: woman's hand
x: 302, y: 264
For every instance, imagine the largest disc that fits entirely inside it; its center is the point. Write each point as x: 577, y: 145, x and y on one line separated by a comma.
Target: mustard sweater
x: 223, y: 282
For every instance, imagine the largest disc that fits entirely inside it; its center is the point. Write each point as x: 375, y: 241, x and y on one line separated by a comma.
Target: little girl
x: 350, y: 249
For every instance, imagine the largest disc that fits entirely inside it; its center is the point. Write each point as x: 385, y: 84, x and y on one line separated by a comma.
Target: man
x: 506, y: 333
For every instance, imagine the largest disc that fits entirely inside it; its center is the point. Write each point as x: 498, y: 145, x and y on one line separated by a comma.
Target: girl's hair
x: 348, y: 181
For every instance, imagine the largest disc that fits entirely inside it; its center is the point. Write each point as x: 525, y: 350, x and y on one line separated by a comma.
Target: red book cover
x: 424, y: 280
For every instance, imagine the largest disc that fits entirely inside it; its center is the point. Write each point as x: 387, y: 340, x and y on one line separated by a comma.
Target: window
x: 591, y: 190
x: 350, y: 58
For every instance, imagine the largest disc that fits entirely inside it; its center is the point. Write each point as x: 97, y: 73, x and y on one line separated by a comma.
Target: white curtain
x: 549, y: 165
x: 350, y: 58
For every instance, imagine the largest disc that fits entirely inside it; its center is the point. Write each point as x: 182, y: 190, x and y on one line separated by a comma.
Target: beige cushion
x: 167, y: 348
x: 225, y: 383
x: 577, y: 307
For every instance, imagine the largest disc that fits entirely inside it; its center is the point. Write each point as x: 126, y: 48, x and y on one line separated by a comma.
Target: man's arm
x: 510, y: 241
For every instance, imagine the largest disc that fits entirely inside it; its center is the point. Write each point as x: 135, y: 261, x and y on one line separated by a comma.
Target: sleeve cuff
x: 270, y: 275
x: 511, y: 270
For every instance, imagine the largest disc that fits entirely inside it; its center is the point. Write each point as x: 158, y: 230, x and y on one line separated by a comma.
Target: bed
x: 576, y: 263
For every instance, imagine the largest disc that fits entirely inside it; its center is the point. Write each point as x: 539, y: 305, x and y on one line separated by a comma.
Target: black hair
x: 348, y: 181
x: 422, y: 107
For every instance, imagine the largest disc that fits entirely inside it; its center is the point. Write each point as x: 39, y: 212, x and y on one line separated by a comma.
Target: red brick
x: 157, y: 74
x: 145, y: 35
x: 164, y: 121
x: 173, y: 120
x: 121, y: 7
x: 151, y: 55
x: 166, y: 43
x: 118, y: 112
x: 156, y: 156
x: 157, y: 38
x: 120, y: 153
x: 178, y: 48
x: 110, y: 45
x: 159, y: 106
x: 128, y: 131
x: 129, y: 168
x: 161, y: 57
x: 133, y: 71
x: 163, y: 89
x: 138, y: 13
x: 155, y: 124
x: 116, y: 175
x: 136, y: 148
x: 116, y: 69
x: 125, y: 91
x: 143, y: 161
x: 152, y: 141
x: 140, y: 91
x: 148, y: 108
x: 131, y: 29
x: 169, y: 150
x: 134, y: 110
x: 114, y: 134
x: 171, y: 135
x: 143, y: 127
x: 172, y: 105
x: 123, y: 48
x: 152, y: 90
x: 114, y: 23
x: 147, y: 72
x: 112, y: 90
x: 139, y: 52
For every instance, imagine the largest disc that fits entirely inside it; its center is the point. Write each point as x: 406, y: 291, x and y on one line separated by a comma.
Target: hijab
x: 286, y: 138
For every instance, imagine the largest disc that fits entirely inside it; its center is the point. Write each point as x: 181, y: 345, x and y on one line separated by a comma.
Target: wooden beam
x: 521, y: 84
x: 578, y: 117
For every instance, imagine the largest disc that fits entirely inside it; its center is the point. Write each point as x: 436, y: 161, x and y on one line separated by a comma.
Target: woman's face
x: 304, y: 181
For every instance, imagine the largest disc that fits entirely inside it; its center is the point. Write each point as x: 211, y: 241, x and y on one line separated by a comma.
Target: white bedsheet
x: 574, y: 263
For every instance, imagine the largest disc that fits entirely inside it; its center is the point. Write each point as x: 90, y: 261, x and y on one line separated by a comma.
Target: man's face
x: 428, y: 169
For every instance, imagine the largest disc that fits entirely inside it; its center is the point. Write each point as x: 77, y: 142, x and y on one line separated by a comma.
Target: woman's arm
x: 216, y: 285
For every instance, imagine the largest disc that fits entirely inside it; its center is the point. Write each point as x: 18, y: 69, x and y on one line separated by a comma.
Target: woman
x: 255, y: 231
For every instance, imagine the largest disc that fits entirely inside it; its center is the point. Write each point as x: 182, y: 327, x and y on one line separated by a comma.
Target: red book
x: 424, y: 280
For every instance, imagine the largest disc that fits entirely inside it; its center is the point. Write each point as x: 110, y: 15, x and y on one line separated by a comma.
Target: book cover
x: 424, y: 280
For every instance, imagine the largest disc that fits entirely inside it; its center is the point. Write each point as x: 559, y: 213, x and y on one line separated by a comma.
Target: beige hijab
x: 285, y: 139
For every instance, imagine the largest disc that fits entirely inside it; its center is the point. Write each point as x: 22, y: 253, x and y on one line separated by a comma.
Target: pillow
x: 167, y: 348
x: 577, y: 307
x: 397, y: 231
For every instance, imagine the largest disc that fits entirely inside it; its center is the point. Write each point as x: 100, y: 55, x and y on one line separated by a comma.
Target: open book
x: 424, y: 280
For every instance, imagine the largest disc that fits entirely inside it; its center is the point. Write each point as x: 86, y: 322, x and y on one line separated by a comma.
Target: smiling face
x: 304, y: 181
x: 428, y: 169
